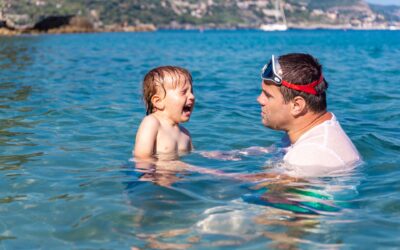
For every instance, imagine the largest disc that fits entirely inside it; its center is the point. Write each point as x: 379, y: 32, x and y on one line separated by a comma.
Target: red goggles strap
x: 307, y: 88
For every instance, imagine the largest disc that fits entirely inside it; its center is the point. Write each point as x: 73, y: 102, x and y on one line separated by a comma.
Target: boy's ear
x: 157, y: 101
x: 299, y: 106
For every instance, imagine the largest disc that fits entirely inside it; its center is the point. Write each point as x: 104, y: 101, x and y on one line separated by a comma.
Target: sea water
x: 70, y: 106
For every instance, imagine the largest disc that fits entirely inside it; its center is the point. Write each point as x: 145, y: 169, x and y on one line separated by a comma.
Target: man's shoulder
x: 310, y: 154
x: 326, y: 146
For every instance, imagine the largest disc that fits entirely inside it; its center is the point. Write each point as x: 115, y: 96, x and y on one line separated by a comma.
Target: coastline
x: 47, y: 17
x: 341, y: 27
x: 4, y: 31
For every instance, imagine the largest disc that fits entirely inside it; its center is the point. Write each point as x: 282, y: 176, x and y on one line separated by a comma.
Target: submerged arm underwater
x: 236, y: 154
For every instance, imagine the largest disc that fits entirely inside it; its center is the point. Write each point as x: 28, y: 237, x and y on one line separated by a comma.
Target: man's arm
x: 267, y: 178
x: 146, y: 138
x: 237, y: 154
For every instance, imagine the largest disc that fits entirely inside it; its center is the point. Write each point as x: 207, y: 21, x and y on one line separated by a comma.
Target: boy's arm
x: 146, y: 138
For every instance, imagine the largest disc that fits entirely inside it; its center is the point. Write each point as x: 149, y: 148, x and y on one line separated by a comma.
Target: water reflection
x: 16, y: 52
x: 162, y: 173
x: 16, y: 125
x: 14, y: 162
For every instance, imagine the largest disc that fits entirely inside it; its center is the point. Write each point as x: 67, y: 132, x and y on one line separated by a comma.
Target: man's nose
x: 258, y: 99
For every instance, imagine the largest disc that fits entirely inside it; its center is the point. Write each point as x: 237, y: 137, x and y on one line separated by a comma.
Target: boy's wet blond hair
x: 154, y: 81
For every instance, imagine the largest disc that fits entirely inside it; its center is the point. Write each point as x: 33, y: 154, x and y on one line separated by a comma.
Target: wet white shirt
x: 324, y: 150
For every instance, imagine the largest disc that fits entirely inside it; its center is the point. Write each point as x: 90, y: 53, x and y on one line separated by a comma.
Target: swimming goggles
x: 273, y: 72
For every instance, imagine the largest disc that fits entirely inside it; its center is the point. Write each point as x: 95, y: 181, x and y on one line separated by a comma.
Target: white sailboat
x: 273, y: 27
x: 280, y: 19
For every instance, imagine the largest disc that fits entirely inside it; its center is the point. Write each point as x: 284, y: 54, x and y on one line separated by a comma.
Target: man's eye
x: 267, y: 94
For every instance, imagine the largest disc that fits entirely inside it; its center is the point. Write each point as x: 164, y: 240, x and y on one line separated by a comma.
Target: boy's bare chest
x: 170, y: 141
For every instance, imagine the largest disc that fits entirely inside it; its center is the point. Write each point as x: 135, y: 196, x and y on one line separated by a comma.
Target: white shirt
x: 324, y: 150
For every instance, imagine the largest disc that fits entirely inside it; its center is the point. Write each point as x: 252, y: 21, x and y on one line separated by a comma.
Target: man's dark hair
x: 301, y: 69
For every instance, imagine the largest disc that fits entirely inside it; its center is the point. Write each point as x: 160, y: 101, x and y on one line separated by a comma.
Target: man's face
x: 275, y: 113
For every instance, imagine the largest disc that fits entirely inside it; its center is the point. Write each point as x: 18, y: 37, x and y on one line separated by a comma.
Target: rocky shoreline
x: 73, y: 24
x: 67, y: 25
x: 72, y: 30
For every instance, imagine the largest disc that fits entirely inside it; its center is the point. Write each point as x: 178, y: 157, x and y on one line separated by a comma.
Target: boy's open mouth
x: 188, y: 108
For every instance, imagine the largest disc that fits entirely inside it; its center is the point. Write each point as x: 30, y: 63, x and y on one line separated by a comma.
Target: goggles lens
x: 270, y: 71
x: 267, y: 71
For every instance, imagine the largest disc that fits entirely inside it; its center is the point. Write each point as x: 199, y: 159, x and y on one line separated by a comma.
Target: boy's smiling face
x: 179, y: 99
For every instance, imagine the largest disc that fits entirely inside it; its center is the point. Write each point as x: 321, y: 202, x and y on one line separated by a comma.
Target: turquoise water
x: 70, y: 106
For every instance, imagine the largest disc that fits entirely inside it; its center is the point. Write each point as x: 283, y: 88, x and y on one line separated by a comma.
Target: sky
x: 385, y: 2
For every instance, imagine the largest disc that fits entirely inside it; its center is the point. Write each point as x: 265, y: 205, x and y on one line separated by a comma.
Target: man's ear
x: 158, y: 102
x: 299, y: 106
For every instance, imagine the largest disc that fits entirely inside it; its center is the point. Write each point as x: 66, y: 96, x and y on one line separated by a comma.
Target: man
x: 293, y: 99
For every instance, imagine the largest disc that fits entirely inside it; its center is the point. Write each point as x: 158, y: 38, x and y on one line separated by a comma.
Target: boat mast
x: 282, y: 12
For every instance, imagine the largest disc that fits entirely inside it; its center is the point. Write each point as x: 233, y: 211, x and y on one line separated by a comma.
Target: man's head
x: 303, y: 69
x: 158, y: 80
x: 293, y: 85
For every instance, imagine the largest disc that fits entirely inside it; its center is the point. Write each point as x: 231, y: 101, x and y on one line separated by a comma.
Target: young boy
x: 168, y: 94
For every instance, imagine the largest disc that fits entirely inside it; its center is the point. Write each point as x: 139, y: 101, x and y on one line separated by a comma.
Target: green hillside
x: 190, y: 13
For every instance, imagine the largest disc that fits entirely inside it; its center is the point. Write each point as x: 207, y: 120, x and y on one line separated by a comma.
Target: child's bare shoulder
x: 148, y: 127
x: 150, y: 121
